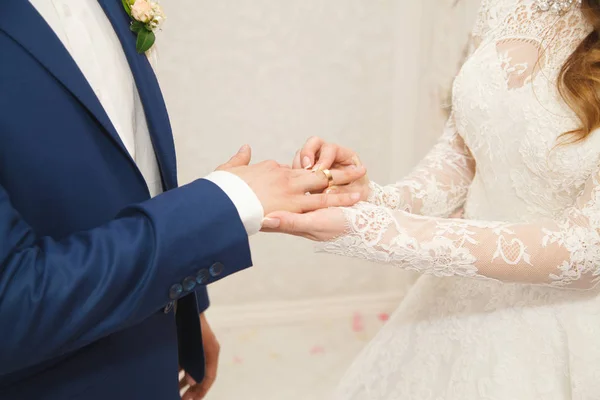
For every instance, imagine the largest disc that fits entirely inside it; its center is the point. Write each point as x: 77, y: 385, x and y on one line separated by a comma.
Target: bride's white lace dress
x: 507, y: 306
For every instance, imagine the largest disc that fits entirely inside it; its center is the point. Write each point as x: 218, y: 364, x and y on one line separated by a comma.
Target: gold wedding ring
x: 327, y: 174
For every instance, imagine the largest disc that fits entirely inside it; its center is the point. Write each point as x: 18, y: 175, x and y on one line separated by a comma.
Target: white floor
x: 296, y: 361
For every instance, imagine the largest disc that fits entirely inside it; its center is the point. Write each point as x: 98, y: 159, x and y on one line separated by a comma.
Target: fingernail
x: 355, y: 196
x: 306, y: 162
x: 271, y: 223
x: 316, y: 168
x: 243, y: 148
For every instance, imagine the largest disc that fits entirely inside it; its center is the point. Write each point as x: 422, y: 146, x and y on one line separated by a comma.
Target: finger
x: 290, y: 223
x: 270, y: 224
x: 308, y: 181
x: 190, y: 381
x: 327, y: 156
x: 296, y: 164
x: 309, y: 152
x: 186, y: 380
x: 241, y: 158
x: 212, y: 365
x: 347, y: 175
x: 196, y: 392
x: 203, y: 388
x: 190, y: 394
x: 341, y: 189
x: 331, y: 155
x: 326, y: 200
x: 317, y: 181
x: 182, y: 383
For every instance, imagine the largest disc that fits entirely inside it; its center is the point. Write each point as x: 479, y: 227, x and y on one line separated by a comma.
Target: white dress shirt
x: 85, y: 31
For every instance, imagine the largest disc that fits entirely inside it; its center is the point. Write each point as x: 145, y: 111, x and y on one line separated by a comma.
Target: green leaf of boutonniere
x: 127, y: 6
x: 136, y: 26
x: 145, y: 40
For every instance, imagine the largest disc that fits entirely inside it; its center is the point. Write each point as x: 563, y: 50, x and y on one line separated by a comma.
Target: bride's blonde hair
x: 579, y: 79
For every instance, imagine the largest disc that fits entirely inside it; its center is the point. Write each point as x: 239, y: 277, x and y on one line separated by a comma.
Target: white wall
x: 365, y: 73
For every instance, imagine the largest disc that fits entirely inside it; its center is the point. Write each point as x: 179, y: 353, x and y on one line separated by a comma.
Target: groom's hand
x: 280, y: 188
x: 197, y: 390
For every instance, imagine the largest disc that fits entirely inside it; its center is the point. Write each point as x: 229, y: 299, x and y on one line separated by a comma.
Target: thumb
x: 287, y: 222
x: 240, y: 159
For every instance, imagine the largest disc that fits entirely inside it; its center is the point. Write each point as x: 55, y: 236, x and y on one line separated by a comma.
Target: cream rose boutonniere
x: 146, y: 17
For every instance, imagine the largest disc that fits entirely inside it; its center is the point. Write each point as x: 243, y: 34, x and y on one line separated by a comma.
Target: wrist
x: 369, y: 190
x: 245, y: 200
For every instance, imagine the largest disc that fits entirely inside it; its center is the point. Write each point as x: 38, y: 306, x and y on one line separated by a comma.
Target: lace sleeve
x: 562, y: 253
x: 438, y: 185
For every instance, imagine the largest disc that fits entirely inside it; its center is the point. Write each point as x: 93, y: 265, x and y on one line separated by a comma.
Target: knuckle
x: 324, y: 200
x: 335, y: 200
x: 291, y: 225
x: 313, y: 144
x: 353, y: 177
x: 344, y: 176
x: 270, y: 164
x: 329, y: 146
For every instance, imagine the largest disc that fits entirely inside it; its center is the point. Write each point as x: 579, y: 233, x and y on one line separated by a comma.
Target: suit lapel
x: 21, y: 21
x: 149, y: 90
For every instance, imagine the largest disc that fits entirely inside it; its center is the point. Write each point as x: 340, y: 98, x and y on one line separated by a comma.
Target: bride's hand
x: 318, y: 154
x: 321, y: 225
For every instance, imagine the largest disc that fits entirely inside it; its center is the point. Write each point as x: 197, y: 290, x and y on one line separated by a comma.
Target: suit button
x: 203, y: 277
x: 189, y: 284
x: 216, y: 269
x: 175, y: 291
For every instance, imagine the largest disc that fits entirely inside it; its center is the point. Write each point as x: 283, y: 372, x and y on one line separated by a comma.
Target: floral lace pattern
x: 438, y: 186
x: 563, y: 253
x: 490, y: 317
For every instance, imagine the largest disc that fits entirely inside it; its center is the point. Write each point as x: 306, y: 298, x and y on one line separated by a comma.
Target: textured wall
x: 444, y: 36
x: 271, y: 73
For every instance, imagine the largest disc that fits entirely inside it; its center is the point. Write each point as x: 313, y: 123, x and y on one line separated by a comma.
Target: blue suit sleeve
x: 60, y: 295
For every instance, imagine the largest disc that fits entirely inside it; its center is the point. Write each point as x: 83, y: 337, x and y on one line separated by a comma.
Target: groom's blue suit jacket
x: 89, y: 264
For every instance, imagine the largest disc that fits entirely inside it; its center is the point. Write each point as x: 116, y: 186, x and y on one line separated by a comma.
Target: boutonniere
x: 146, y: 17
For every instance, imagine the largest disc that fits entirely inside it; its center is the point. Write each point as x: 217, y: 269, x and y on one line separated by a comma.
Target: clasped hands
x: 303, y: 199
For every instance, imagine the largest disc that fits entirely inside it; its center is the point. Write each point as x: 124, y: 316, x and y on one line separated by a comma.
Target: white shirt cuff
x: 243, y: 197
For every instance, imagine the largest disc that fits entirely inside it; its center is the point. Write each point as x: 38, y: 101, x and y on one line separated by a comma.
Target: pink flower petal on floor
x: 317, y: 350
x: 237, y: 360
x: 383, y: 317
x: 357, y: 322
